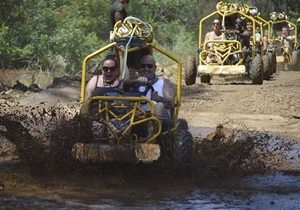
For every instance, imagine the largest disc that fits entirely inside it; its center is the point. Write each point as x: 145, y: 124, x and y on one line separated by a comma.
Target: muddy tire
x: 267, y: 67
x: 256, y: 70
x: 205, y: 78
x: 183, y: 124
x: 294, y: 65
x: 190, y: 71
x: 295, y: 58
x: 274, y: 60
x: 182, y: 149
x: 272, y: 63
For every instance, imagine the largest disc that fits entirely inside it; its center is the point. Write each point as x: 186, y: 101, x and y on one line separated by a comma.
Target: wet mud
x: 42, y: 135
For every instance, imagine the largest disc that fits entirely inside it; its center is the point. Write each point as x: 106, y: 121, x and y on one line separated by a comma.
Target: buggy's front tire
x: 190, y: 71
x: 266, y: 67
x: 256, y: 70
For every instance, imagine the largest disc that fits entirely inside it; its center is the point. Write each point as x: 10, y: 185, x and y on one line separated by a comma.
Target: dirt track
x: 272, y: 107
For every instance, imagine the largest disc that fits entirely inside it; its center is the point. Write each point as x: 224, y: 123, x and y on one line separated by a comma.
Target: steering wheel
x: 134, y: 84
x: 230, y: 35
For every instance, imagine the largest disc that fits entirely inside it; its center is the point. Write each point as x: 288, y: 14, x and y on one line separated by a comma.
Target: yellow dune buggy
x: 231, y: 58
x: 123, y: 131
x: 268, y: 49
x: 287, y: 51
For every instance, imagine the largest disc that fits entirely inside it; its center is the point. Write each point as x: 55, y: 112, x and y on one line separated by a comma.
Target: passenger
x: 243, y: 35
x: 298, y: 26
x: 258, y: 39
x: 163, y: 94
x: 216, y: 34
x: 118, y: 12
x: 258, y: 35
x: 107, y: 81
x: 288, y: 40
x: 265, y: 40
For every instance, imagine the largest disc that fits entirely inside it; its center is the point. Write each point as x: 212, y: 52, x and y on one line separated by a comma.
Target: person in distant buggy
x: 215, y: 34
x: 288, y: 40
x: 118, y: 12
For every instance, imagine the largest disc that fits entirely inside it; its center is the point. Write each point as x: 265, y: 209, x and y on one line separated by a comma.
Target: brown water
x: 268, y: 191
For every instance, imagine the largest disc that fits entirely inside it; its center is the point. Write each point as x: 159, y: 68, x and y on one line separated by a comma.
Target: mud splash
x: 226, y: 152
x: 43, y: 137
x: 38, y: 132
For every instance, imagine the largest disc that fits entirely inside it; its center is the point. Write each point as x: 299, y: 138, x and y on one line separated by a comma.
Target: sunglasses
x: 106, y: 68
x: 149, y: 66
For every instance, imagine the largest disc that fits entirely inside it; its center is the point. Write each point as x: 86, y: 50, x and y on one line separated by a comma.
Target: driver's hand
x: 154, y: 96
x: 142, y: 80
x: 236, y: 31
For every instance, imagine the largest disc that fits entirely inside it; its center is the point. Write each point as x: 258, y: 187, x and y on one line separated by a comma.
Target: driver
x: 163, y: 94
x: 216, y: 34
x: 288, y: 40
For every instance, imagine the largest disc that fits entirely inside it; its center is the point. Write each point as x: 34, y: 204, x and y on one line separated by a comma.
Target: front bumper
x: 222, y: 70
x: 133, y: 153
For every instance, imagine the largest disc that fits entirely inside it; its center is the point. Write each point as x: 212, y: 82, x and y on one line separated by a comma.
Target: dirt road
x: 272, y: 107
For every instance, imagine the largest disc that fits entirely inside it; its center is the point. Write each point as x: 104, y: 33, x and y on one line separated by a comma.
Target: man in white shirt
x: 164, y: 93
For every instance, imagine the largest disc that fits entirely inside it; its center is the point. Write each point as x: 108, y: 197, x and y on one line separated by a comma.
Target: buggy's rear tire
x: 256, y: 70
x: 183, y: 124
x: 295, y: 58
x: 190, y: 70
x: 266, y: 67
x: 275, y: 62
x: 294, y: 61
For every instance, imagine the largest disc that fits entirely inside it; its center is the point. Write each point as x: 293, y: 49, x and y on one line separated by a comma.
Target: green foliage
x: 55, y: 35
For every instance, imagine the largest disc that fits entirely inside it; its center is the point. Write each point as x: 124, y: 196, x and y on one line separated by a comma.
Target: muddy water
x: 232, y: 169
x: 268, y: 191
x: 275, y: 186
